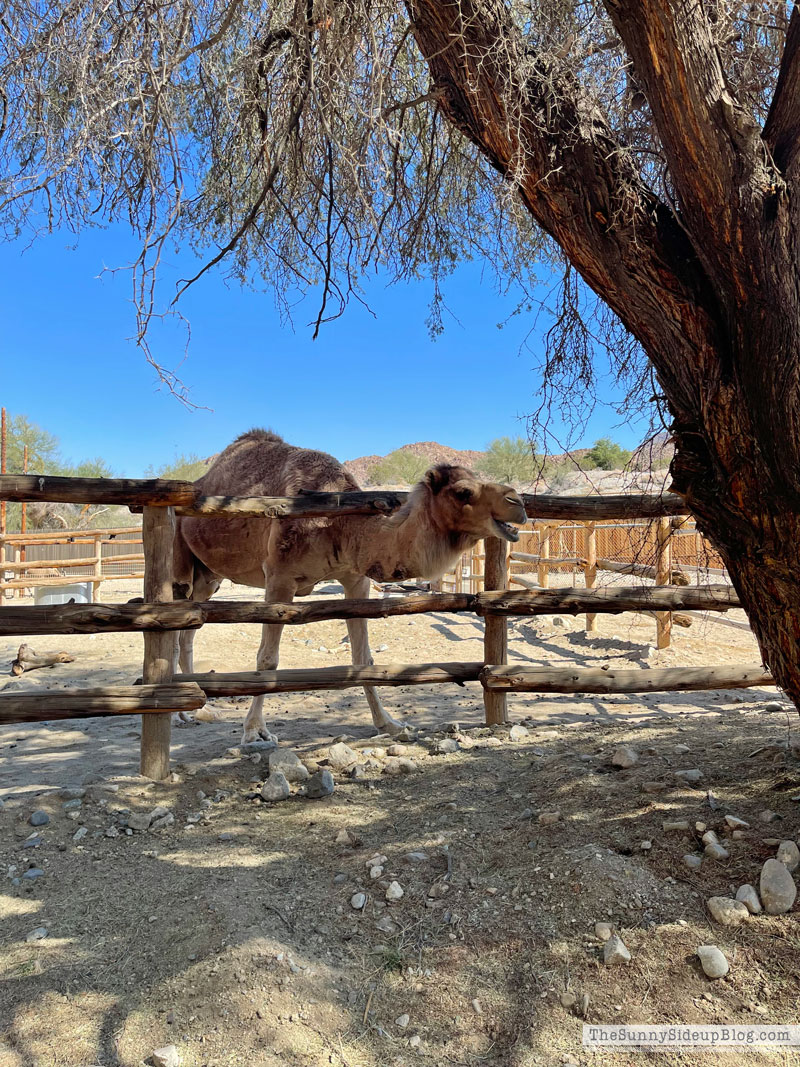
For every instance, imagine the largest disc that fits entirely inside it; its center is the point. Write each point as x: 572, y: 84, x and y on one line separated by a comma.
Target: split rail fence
x: 158, y: 617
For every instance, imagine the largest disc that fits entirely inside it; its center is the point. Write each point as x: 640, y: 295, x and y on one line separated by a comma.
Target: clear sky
x: 366, y: 385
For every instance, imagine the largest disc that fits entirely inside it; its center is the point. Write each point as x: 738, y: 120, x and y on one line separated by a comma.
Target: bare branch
x: 782, y: 128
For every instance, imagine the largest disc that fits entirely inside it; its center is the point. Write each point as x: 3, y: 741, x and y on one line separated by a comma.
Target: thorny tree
x: 655, y: 143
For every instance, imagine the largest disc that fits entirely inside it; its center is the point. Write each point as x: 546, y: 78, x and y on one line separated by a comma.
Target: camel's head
x: 472, y: 508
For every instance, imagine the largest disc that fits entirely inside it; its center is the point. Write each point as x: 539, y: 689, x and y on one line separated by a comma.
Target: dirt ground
x: 231, y: 934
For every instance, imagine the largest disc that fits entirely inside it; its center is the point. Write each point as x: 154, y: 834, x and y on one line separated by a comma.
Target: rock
x: 736, y: 824
x: 395, y: 891
x: 358, y: 900
x: 674, y: 824
x: 166, y: 1057
x: 276, y: 787
x: 713, y: 962
x: 72, y: 805
x: 547, y: 818
x: 653, y: 787
x: 288, y: 764
x: 376, y: 872
x: 768, y: 816
x: 386, y: 925
x: 603, y: 930
x: 36, y: 872
x: 625, y: 756
x: 416, y: 857
x: 715, y: 851
x: 518, y: 733
x: 33, y: 841
x: 39, y: 818
x: 568, y: 1000
x: 139, y: 820
x: 320, y: 785
x: 727, y: 912
x: 692, y: 861
x: 396, y: 765
x: 395, y: 750
x: 681, y: 750
x: 161, y: 822
x: 615, y: 952
x: 445, y: 747
x: 341, y: 756
x: 247, y: 748
x: 691, y: 777
x: 402, y: 1021
x: 777, y: 888
x: 37, y: 934
x: 748, y: 896
x: 414, y: 1041
x: 788, y: 855
x: 72, y: 792
x: 773, y: 707
x: 79, y: 834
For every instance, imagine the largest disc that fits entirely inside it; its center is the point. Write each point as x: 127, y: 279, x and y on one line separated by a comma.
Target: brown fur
x: 446, y: 513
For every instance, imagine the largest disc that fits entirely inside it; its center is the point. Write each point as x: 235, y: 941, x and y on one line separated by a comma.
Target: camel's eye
x: 512, y: 500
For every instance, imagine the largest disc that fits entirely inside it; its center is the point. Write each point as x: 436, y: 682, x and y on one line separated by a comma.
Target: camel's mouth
x: 505, y: 530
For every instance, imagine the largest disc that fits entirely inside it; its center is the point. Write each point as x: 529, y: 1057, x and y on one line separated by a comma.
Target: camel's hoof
x: 403, y: 731
x: 207, y: 714
x: 183, y: 719
x: 253, y: 737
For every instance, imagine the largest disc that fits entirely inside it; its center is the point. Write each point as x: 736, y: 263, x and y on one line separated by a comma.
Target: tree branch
x: 782, y: 128
x: 712, y: 147
x: 541, y: 131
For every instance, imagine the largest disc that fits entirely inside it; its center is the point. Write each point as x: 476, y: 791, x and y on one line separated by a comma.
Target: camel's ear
x: 437, y: 478
x: 464, y: 492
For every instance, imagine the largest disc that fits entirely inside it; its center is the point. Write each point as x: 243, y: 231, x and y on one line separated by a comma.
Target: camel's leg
x: 278, y: 591
x: 358, y: 589
x: 204, y: 586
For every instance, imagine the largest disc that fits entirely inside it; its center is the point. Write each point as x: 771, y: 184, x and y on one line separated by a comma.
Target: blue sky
x: 366, y: 385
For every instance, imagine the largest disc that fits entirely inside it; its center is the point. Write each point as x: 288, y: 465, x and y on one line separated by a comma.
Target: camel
x: 446, y: 513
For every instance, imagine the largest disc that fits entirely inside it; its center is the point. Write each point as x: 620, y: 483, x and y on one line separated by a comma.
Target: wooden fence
x: 158, y: 617
x: 62, y: 557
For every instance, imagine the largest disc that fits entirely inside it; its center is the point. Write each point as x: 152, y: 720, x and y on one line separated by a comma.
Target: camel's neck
x: 415, y: 548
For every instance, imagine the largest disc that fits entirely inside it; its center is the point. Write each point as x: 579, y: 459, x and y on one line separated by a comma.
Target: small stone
x: 395, y: 891
x: 653, y: 787
x: 748, y: 896
x: 162, y: 821
x: 402, y: 1021
x: 79, y: 834
x: 625, y: 756
x: 736, y: 824
x: 715, y: 851
x: 395, y: 750
x: 674, y: 824
x: 358, y: 900
x: 37, y: 934
x: 768, y: 816
x: 341, y: 756
x: 112, y: 831
x: 604, y: 931
x: 518, y: 733
x: 287, y: 763
x: 645, y: 846
x: 320, y: 785
x: 72, y: 805
x: 71, y: 792
x: 247, y: 748
x: 416, y: 857
x: 445, y: 747
x: 774, y: 707
x: 615, y: 952
x: 386, y: 925
x: 375, y: 872
x: 39, y: 818
x: 276, y: 787
x: 547, y: 818
x: 788, y: 855
x: 777, y: 888
x: 568, y: 1000
x: 36, y: 872
x: 396, y: 765
x: 727, y: 912
x: 166, y: 1057
x: 713, y: 962
x: 33, y: 841
x: 476, y: 1007
x: 691, y: 777
x: 414, y: 1041
x: 139, y: 820
x: 692, y: 861
x: 681, y: 750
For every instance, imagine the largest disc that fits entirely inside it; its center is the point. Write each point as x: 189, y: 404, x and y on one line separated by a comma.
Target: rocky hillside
x: 431, y: 451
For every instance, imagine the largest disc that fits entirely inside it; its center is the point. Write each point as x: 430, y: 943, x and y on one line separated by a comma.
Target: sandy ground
x: 231, y: 934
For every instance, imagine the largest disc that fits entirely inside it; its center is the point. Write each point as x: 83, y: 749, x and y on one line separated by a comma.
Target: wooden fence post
x: 590, y: 570
x: 663, y: 577
x: 157, y: 535
x: 544, y: 554
x: 98, y: 567
x: 495, y: 636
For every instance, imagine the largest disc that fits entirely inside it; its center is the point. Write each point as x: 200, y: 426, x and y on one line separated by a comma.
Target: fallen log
x: 27, y: 660
x: 252, y: 683
x: 641, y: 570
x: 111, y: 700
x: 596, y: 680
x: 187, y: 615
